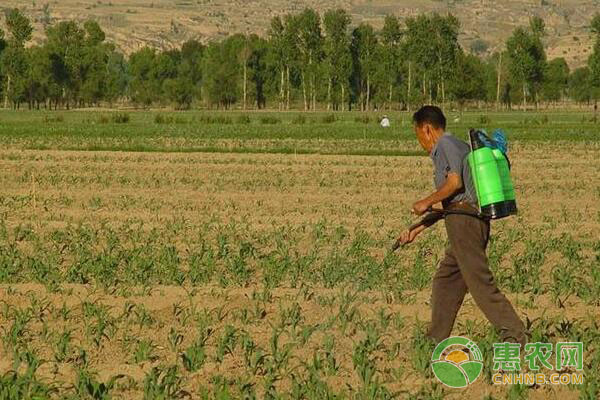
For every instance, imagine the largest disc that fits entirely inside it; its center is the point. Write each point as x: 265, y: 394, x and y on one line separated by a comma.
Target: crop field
x: 155, y: 255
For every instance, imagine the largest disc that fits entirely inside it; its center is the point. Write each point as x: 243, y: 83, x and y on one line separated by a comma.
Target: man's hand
x: 421, y: 206
x: 408, y: 236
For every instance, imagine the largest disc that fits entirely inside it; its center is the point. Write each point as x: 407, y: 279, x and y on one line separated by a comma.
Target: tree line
x: 305, y: 61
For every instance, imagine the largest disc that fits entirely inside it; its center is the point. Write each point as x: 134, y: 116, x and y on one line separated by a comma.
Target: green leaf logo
x: 457, y: 362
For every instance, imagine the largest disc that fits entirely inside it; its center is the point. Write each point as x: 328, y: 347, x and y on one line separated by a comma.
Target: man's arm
x: 452, y: 185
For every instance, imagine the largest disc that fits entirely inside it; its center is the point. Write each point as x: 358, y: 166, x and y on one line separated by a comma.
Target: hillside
x: 132, y: 24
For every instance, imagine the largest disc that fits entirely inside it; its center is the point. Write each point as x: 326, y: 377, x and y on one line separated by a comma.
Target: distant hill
x: 132, y: 24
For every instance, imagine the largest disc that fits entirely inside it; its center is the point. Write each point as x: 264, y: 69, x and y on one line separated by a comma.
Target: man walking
x: 465, y: 266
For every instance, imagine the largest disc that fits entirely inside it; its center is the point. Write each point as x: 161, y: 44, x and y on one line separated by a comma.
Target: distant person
x: 385, y: 122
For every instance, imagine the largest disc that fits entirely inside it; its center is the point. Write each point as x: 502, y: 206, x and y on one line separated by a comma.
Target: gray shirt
x: 449, y: 155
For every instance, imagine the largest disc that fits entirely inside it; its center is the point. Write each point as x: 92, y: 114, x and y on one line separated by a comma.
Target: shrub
x: 328, y: 119
x: 219, y: 119
x: 56, y: 118
x: 169, y: 119
x: 180, y: 120
x: 479, y: 46
x: 243, y: 119
x: 223, y: 120
x: 484, y: 120
x: 299, y: 120
x: 362, y: 119
x: 268, y: 120
x: 542, y: 121
x: 120, y: 118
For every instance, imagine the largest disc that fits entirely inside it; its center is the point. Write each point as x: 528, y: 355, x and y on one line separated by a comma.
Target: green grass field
x: 267, y: 132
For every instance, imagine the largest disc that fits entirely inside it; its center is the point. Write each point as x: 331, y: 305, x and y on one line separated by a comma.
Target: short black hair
x: 431, y: 115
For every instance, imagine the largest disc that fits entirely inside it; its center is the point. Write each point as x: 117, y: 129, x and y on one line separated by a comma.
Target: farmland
x: 241, y: 255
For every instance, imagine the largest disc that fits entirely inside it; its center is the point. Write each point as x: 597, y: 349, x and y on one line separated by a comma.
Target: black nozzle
x: 396, y: 246
x: 476, y: 139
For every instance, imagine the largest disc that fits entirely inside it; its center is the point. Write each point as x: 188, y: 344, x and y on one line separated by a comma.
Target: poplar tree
x: 527, y: 59
x: 66, y: 45
x: 310, y: 47
x: 338, y: 61
x: 391, y: 64
x: 14, y: 60
x: 556, y: 80
x: 594, y: 63
x: 278, y: 55
x: 364, y: 46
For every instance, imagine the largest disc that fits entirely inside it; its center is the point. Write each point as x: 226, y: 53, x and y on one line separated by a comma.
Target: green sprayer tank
x: 491, y: 177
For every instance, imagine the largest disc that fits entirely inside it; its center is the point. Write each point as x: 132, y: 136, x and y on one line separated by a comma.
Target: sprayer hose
x: 459, y: 212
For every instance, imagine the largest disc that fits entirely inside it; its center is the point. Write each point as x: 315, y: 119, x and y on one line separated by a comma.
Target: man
x: 465, y: 267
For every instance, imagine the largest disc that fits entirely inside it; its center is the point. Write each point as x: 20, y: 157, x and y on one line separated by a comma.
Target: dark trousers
x: 465, y: 268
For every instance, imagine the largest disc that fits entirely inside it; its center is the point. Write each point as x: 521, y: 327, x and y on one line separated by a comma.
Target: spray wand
x: 435, y: 214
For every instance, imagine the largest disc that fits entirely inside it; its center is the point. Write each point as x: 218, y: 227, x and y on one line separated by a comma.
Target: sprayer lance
x: 433, y: 216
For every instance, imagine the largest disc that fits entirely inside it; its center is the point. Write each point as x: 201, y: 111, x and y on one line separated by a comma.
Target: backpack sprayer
x: 490, y: 171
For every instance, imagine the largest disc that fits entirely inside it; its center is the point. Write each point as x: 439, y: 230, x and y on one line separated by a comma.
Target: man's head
x: 430, y: 124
